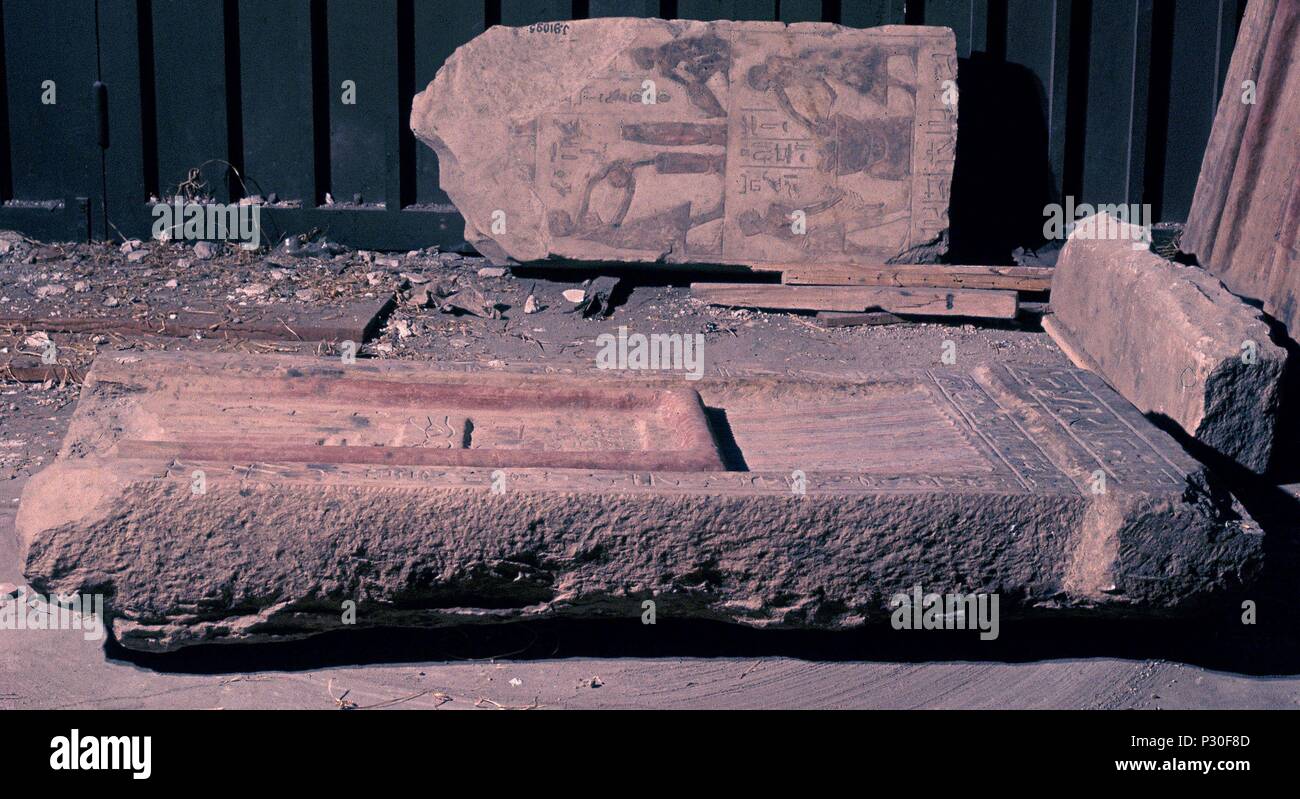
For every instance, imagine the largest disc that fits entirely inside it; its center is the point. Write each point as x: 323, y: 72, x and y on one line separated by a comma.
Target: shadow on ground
x: 1222, y: 643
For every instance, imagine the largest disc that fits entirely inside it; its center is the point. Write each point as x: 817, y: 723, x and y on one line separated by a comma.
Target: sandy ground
x: 1210, y: 663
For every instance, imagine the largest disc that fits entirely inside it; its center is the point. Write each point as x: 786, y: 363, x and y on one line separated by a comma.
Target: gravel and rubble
x: 448, y: 305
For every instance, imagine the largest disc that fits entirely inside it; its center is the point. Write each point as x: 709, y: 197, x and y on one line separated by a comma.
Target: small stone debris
x: 492, y: 271
x: 471, y: 301
x: 516, y: 682
x: 111, y: 302
x: 38, y: 340
x: 51, y: 290
x: 204, y: 250
x: 253, y: 289
x: 599, y: 296
x: 531, y: 305
x: 81, y: 287
x: 313, y: 248
x: 129, y: 246
x: 421, y: 296
x: 574, y: 295
x: 136, y: 256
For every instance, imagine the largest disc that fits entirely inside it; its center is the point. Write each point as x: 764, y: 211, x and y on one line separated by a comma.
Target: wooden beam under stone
x: 1011, y: 278
x: 912, y: 301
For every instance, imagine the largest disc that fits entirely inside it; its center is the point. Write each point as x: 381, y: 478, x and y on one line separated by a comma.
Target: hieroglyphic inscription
x: 936, y: 147
x: 1001, y: 437
x: 1089, y: 414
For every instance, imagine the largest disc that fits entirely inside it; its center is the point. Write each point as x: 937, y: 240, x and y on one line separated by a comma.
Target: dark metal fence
x: 1103, y: 100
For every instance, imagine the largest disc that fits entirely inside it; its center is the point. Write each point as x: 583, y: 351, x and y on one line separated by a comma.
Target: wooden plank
x: 1013, y: 278
x: 841, y: 319
x: 912, y: 301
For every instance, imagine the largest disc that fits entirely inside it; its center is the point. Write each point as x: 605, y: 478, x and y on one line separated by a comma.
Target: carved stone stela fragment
x: 707, y: 142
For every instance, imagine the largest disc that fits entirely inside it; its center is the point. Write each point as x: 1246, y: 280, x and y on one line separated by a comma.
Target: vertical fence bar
x: 362, y: 98
x: 50, y: 71
x: 801, y: 10
x: 727, y: 9
x: 526, y: 12
x: 6, y: 167
x: 1193, y: 96
x: 870, y: 13
x: 1038, y: 40
x: 1114, y: 145
x: 126, y: 181
x: 191, y: 94
x: 623, y: 8
x: 1230, y: 15
x: 960, y: 16
x: 436, y: 35
x: 276, y: 95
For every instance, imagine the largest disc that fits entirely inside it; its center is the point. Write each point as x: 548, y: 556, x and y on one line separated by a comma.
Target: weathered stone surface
x: 1245, y: 215
x: 980, y: 480
x: 1171, y: 339
x: 547, y: 148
